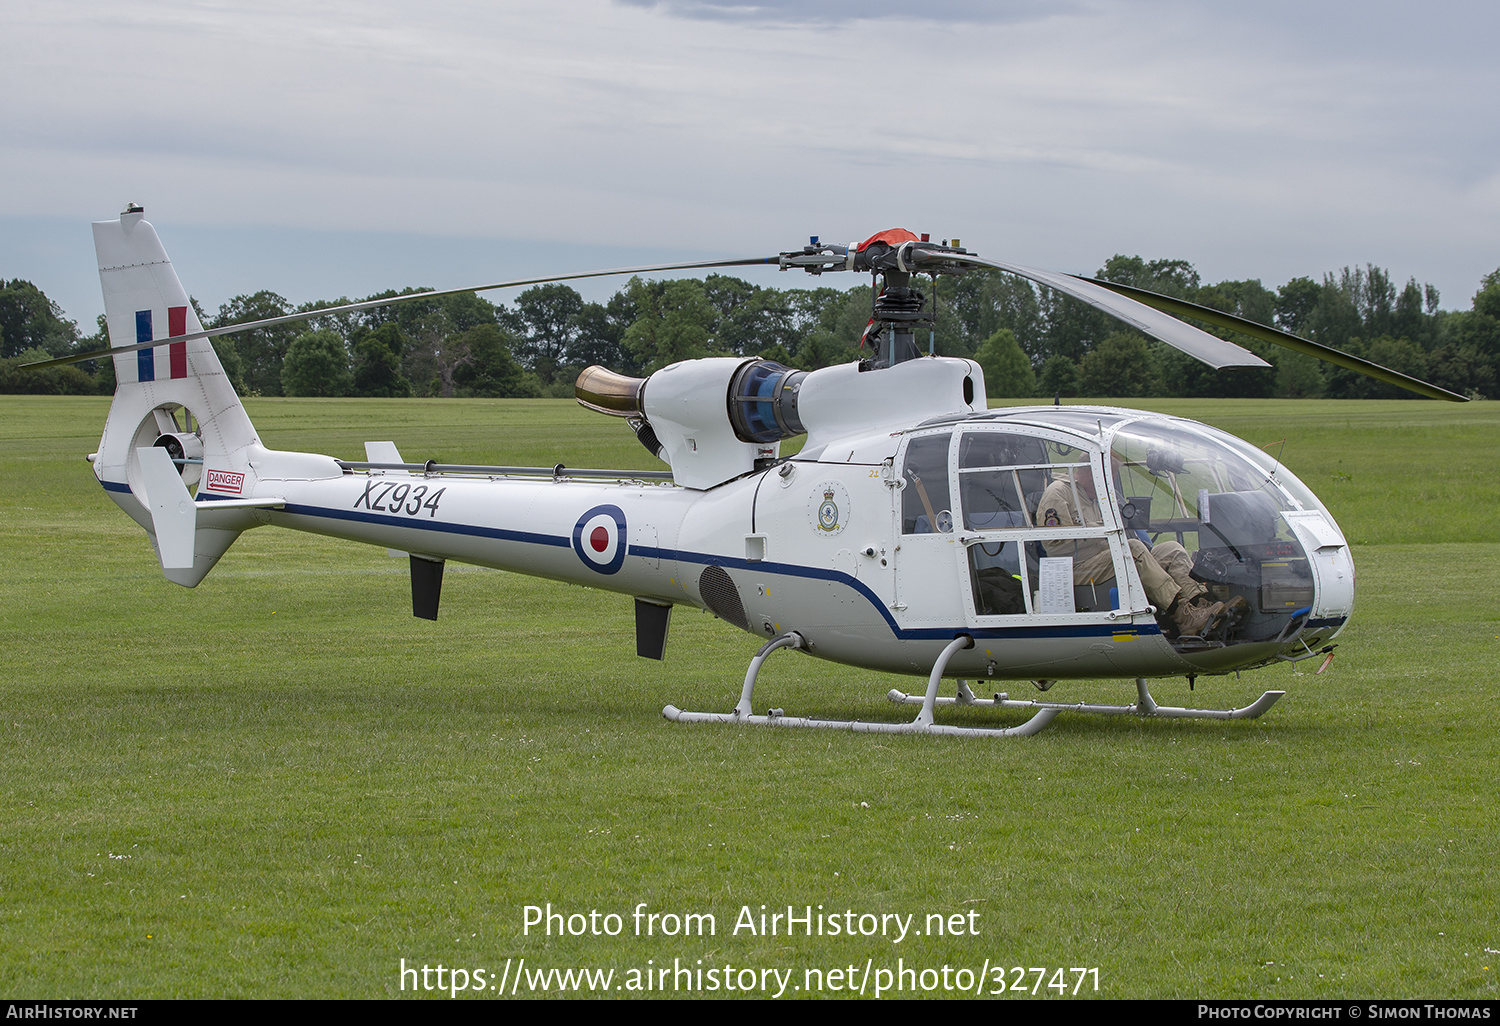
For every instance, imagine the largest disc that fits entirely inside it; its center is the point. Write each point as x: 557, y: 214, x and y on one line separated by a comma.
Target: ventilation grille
x: 722, y: 598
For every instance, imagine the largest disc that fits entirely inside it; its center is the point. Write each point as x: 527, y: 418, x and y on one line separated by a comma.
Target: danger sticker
x: 225, y: 481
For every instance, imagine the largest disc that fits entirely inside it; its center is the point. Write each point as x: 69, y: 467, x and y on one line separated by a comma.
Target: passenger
x: 1181, y: 602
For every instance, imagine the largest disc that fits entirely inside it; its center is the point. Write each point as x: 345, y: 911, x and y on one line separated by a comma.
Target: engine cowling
x: 715, y: 419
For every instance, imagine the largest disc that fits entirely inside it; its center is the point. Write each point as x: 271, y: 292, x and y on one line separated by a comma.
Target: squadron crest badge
x: 829, y: 506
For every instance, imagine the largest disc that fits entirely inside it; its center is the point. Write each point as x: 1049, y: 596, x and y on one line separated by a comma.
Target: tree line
x: 1030, y: 340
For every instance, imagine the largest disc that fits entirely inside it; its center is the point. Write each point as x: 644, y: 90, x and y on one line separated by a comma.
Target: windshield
x: 1168, y: 470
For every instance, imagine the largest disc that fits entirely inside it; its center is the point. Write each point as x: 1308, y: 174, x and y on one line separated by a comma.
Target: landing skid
x: 921, y: 725
x: 1044, y: 713
x: 1145, y: 706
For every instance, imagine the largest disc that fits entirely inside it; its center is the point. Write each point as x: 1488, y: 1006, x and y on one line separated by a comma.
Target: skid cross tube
x: 921, y: 725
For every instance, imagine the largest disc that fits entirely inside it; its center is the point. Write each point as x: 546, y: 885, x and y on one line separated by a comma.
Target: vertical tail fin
x: 174, y: 396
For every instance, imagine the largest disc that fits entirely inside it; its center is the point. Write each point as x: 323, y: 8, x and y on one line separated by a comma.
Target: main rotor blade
x: 371, y: 304
x: 1200, y: 345
x: 1182, y: 308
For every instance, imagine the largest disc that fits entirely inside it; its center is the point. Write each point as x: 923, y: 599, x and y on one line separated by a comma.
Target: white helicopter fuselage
x: 811, y: 546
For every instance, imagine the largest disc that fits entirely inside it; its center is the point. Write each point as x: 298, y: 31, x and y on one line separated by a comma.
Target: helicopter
x: 915, y: 532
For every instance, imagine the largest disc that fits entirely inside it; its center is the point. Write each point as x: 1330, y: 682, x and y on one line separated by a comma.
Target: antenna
x: 1267, y: 447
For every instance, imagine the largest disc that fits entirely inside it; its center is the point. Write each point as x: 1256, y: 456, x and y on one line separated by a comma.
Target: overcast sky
x: 323, y: 148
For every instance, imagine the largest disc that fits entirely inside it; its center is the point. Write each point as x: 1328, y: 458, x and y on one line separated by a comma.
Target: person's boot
x: 1198, y: 620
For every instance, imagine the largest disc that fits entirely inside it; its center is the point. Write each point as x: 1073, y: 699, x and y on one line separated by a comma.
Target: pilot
x: 1181, y: 602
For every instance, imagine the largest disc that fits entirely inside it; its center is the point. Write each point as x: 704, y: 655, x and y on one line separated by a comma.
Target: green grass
x: 280, y: 783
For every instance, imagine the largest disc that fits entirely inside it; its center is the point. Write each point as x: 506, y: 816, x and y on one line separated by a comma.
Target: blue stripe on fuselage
x: 762, y: 566
x: 905, y: 633
x: 498, y: 533
x: 708, y: 559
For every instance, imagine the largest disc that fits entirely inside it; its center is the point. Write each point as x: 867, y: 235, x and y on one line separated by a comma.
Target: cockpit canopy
x: 1080, y: 493
x: 1188, y: 465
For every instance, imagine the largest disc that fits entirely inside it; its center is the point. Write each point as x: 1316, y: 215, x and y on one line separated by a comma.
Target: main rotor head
x: 891, y: 257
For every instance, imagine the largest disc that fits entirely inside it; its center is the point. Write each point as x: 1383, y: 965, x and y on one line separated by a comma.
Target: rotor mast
x: 898, y: 306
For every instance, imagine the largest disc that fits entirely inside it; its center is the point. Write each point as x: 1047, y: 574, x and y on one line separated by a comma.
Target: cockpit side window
x: 1009, y: 483
x: 926, y: 507
x: 1004, y: 477
x: 1000, y: 479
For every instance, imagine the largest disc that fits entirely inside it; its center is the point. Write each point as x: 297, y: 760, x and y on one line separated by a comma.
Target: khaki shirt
x: 1091, y: 558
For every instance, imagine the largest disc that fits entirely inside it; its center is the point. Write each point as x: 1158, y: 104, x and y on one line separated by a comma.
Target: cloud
x: 833, y: 12
x: 1266, y: 140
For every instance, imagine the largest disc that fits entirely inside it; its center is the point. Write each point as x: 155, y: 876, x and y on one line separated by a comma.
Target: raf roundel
x: 599, y: 539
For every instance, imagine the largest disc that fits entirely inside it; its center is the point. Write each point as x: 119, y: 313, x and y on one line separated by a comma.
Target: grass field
x: 281, y: 784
